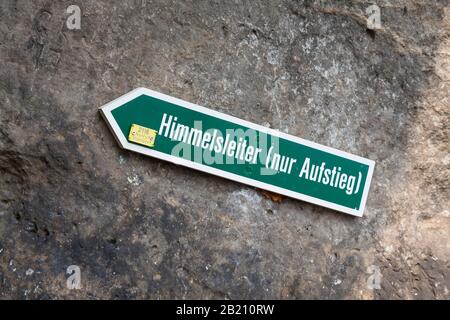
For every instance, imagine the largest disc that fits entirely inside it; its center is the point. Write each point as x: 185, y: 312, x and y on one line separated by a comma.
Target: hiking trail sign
x: 186, y: 134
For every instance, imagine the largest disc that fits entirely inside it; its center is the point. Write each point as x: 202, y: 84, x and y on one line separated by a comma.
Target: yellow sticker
x: 142, y: 135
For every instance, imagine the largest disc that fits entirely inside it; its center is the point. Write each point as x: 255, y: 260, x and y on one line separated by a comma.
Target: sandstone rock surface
x: 141, y: 228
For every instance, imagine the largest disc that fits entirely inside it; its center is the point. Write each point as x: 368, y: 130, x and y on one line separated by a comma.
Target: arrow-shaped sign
x: 171, y: 129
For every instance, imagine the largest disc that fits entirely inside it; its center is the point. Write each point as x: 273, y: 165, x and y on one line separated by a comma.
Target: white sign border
x: 123, y: 142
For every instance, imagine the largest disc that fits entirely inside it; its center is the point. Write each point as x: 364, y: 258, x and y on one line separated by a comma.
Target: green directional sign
x: 186, y: 134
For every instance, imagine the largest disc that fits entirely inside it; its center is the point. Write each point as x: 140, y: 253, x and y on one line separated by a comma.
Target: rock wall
x: 141, y: 228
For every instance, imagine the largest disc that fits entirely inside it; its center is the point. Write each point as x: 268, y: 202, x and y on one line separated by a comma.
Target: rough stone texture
x: 143, y: 228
